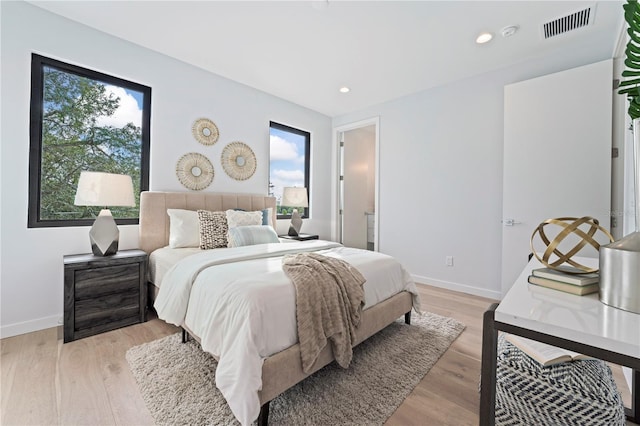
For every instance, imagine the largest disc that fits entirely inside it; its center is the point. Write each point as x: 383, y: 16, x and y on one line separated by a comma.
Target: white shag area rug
x: 177, y: 381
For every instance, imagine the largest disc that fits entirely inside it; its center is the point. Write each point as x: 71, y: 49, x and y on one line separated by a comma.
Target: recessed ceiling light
x: 484, y: 38
x: 344, y: 89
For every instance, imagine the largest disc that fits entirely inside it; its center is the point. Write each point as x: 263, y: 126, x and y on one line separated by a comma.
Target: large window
x: 83, y: 120
x: 289, y: 165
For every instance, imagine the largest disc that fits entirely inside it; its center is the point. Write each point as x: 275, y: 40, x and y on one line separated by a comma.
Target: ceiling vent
x: 567, y: 23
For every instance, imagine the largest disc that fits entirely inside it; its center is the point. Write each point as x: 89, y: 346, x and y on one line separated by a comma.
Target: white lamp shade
x: 294, y: 197
x: 104, y: 189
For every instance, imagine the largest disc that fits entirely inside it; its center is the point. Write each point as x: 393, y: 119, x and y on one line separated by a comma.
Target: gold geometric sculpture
x: 194, y: 171
x: 205, y: 131
x: 238, y: 160
x: 570, y: 227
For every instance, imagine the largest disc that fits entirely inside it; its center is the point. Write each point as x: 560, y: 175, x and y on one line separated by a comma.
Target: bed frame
x: 284, y: 369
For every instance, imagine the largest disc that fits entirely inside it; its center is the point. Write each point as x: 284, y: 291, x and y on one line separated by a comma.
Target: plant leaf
x: 631, y: 53
x: 632, y: 47
x: 633, y: 35
x: 630, y: 63
x: 630, y: 91
x: 630, y: 82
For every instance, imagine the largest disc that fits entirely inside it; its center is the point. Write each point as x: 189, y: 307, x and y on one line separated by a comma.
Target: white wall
x: 32, y: 271
x: 441, y: 178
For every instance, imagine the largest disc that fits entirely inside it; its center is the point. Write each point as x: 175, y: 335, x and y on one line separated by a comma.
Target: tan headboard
x: 154, y: 221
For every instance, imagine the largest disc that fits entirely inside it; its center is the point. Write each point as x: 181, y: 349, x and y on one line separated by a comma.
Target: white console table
x: 578, y: 323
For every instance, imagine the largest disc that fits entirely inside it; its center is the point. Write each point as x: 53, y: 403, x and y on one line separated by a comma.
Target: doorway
x: 358, y: 185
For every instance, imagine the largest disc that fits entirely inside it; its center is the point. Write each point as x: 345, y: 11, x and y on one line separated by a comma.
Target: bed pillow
x: 184, y: 228
x: 241, y: 218
x: 251, y: 235
x: 213, y: 229
x: 267, y: 216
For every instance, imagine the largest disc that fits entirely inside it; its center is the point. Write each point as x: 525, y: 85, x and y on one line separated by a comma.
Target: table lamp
x: 295, y: 197
x: 104, y: 189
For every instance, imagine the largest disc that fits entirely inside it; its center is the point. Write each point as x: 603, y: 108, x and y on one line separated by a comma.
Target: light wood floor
x: 88, y: 382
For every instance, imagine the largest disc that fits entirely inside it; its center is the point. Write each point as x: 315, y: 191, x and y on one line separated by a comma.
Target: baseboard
x: 29, y: 326
x: 463, y: 288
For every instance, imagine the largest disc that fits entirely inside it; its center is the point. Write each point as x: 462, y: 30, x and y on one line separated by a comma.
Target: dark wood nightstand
x: 103, y: 293
x: 299, y: 237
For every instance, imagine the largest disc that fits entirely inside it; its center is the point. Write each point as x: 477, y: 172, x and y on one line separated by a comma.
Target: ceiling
x: 305, y: 51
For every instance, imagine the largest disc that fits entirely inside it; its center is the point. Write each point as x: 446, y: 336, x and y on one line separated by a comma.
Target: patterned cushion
x: 250, y: 235
x: 213, y: 229
x: 266, y: 215
x: 570, y: 393
x: 242, y: 218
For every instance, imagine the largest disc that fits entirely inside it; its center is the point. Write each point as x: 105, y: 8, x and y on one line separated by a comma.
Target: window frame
x: 38, y: 63
x: 307, y: 162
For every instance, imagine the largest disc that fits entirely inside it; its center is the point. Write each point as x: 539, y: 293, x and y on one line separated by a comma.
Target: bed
x: 187, y: 298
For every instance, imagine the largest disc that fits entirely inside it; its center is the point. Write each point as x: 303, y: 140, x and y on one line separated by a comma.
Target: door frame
x: 336, y: 229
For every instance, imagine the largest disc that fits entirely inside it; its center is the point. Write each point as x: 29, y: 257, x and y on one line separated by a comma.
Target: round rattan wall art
x: 574, y: 235
x: 238, y: 160
x: 205, y: 131
x: 194, y: 171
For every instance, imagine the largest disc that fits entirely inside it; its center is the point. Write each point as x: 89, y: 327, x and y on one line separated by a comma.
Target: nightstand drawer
x: 106, y: 309
x: 92, y: 283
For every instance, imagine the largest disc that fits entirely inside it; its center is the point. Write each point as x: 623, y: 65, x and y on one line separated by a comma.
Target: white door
x: 557, y: 155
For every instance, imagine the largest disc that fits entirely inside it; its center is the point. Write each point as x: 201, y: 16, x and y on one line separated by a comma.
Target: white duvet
x: 241, y: 305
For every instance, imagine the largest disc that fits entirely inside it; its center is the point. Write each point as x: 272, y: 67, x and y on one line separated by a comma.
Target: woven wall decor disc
x: 205, y: 131
x: 194, y: 171
x: 583, y: 229
x: 238, y: 160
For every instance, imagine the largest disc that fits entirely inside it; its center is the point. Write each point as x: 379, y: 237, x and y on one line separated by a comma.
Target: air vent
x: 568, y: 23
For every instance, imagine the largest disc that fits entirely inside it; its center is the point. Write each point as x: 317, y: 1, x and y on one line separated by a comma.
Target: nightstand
x: 103, y: 293
x: 299, y: 237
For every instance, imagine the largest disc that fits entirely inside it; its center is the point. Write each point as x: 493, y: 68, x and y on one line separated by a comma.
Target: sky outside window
x: 287, y: 161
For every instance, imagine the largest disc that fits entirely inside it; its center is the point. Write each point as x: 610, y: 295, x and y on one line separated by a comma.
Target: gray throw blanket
x: 329, y: 301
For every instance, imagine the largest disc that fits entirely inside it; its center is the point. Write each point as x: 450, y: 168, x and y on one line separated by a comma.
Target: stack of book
x: 579, y: 284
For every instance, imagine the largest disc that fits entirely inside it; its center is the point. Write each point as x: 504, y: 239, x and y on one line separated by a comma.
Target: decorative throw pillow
x: 213, y: 229
x: 184, y: 229
x: 267, y: 216
x: 242, y: 218
x: 250, y: 235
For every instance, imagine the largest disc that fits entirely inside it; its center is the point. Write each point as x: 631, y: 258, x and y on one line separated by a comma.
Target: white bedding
x: 241, y: 305
x: 163, y: 259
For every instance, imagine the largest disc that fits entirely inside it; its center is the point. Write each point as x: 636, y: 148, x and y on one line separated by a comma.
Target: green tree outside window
x: 83, y: 120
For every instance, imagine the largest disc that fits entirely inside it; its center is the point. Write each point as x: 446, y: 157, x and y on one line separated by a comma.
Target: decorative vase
x: 296, y: 224
x: 620, y: 260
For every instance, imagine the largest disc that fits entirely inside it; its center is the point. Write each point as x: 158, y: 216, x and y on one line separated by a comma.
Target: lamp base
x: 104, y: 235
x: 296, y: 224
x: 620, y: 273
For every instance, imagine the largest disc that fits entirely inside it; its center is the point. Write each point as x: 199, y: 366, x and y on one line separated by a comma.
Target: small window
x: 289, y: 163
x: 83, y: 120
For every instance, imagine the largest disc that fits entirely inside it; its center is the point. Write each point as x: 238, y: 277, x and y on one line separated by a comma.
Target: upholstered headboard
x: 154, y: 221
